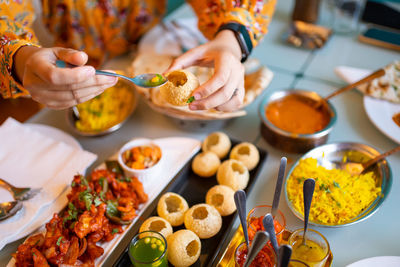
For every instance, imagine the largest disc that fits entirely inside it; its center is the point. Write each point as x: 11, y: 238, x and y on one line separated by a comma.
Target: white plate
x: 387, y: 261
x: 55, y: 134
x: 380, y: 112
x: 177, y: 151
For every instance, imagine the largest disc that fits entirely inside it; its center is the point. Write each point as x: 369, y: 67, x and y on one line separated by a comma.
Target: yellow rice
x: 105, y: 110
x: 338, y: 196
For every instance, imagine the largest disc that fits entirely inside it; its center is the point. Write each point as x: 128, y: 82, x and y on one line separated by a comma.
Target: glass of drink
x: 316, y: 250
x: 266, y: 257
x: 255, y: 217
x: 148, y: 249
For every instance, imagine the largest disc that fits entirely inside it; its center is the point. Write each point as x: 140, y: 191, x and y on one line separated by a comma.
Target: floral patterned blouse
x: 107, y: 28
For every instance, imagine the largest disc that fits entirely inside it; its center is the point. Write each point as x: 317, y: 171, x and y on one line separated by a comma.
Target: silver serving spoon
x: 278, y: 187
x: 284, y: 254
x: 268, y: 223
x: 240, y: 201
x: 308, y: 191
x: 147, y: 80
x: 260, y: 240
x: 8, y: 209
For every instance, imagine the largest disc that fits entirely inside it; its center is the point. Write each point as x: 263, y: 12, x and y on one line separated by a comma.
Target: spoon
x: 268, y: 223
x: 260, y: 239
x: 278, y: 187
x: 308, y: 191
x: 284, y: 254
x: 240, y: 202
x: 368, y: 78
x: 147, y: 80
x: 358, y: 168
x: 8, y: 209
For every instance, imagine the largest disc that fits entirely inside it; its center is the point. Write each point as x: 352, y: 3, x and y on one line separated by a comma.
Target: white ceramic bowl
x: 146, y: 176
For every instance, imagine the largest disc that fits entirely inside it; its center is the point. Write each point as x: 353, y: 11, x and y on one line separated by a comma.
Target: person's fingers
x: 71, y: 56
x: 218, y: 98
x: 61, y: 76
x: 225, y: 69
x: 187, y: 59
x: 235, y: 102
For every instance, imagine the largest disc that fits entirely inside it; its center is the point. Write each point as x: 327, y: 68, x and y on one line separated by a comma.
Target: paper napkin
x: 30, y: 159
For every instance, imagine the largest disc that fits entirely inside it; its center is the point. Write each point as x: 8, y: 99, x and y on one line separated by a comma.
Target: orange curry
x: 396, y: 119
x: 297, y: 114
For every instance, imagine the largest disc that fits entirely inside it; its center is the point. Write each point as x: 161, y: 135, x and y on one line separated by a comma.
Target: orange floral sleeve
x: 15, y: 32
x: 254, y: 14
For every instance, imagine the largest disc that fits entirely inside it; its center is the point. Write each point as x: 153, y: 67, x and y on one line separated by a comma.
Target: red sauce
x: 257, y: 225
x: 265, y: 258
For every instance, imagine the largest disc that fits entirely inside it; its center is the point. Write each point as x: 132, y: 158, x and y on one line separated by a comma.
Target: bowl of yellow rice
x: 106, y: 112
x: 339, y: 199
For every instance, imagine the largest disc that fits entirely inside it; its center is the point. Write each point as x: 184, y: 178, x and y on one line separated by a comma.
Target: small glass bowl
x: 160, y: 261
x: 261, y: 211
x: 146, y: 176
x: 316, y: 237
x: 266, y: 250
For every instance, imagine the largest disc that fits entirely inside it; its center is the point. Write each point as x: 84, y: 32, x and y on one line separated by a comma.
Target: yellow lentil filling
x: 105, y: 110
x: 338, y: 196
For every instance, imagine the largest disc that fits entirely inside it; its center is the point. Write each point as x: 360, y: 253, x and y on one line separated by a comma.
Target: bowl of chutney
x: 296, y: 121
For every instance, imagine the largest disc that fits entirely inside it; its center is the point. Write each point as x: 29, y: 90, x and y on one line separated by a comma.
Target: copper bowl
x: 292, y: 142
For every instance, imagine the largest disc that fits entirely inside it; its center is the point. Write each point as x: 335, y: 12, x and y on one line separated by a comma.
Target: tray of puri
x: 227, y: 257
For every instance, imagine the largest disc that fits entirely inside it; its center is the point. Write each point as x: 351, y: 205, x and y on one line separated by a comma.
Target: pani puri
x: 221, y: 198
x: 246, y: 153
x: 157, y: 224
x: 233, y: 173
x: 184, y: 248
x: 179, y: 87
x: 217, y: 142
x: 206, y: 164
x: 172, y: 207
x: 204, y: 220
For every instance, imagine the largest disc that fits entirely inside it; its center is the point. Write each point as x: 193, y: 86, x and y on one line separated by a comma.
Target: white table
x: 293, y: 68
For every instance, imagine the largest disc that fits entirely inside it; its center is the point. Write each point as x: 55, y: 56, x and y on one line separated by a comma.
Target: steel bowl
x: 333, y: 154
x: 71, y: 118
x: 292, y: 142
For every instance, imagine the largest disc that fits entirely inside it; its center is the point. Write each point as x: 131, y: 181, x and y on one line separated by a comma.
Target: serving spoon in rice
x: 356, y: 168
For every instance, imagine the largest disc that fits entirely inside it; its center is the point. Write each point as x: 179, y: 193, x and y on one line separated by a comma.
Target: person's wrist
x: 228, y: 38
x: 20, y: 59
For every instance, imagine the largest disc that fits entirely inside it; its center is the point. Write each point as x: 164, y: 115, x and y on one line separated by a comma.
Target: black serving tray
x: 194, y: 189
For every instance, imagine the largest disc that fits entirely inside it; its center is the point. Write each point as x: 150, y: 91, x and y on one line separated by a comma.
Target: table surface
x: 293, y: 68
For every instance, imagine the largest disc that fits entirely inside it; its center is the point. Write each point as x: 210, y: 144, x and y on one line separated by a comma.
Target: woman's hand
x: 58, y: 88
x: 225, y: 89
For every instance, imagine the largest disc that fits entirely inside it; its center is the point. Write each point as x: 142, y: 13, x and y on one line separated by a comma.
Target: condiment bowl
x: 72, y: 117
x: 332, y: 155
x: 293, y: 142
x: 146, y: 176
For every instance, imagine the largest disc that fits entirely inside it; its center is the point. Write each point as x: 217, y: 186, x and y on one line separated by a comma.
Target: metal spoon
x: 368, y: 78
x: 260, y: 240
x: 8, y: 209
x: 278, y: 187
x: 268, y: 223
x: 240, y: 201
x: 284, y: 254
x: 147, y: 80
x: 308, y: 191
x: 358, y: 168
